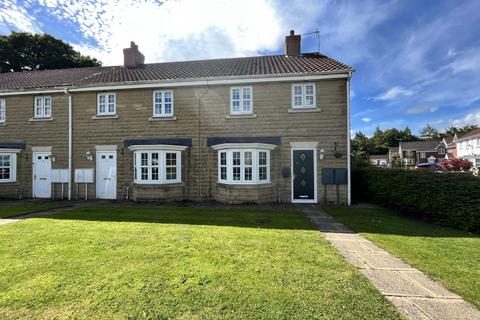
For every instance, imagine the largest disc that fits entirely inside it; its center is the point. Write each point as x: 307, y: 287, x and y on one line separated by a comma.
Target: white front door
x: 42, y: 168
x: 106, y: 174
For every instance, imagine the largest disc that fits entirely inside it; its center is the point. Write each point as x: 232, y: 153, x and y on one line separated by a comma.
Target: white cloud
x: 12, y: 14
x: 421, y: 109
x: 366, y: 119
x: 470, y: 119
x: 394, y: 93
x: 172, y: 30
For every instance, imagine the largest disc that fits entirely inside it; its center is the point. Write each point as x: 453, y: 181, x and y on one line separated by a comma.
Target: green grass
x: 11, y: 209
x: 183, y: 263
x: 447, y: 255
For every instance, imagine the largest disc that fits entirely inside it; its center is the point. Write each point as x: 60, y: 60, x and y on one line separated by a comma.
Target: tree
x: 25, y: 51
x: 429, y: 133
x: 451, y: 131
x: 458, y: 164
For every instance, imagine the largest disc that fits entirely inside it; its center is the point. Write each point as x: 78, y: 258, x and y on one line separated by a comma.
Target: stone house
x: 240, y: 130
x: 415, y: 152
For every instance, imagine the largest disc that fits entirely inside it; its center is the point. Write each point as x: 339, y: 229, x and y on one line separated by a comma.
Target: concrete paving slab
x: 408, y: 309
x: 446, y: 309
x: 382, y: 260
x: 432, y: 286
x: 392, y: 283
x: 415, y: 295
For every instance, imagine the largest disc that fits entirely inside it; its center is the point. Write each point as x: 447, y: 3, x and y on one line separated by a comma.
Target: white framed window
x: 163, y: 103
x: 303, y: 95
x: 106, y: 104
x: 157, y: 166
x: 441, y: 151
x: 241, y: 101
x: 243, y: 166
x: 423, y: 155
x: 8, y: 167
x: 3, y: 111
x: 43, y: 107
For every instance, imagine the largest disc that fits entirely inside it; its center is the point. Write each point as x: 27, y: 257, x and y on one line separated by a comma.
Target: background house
x: 415, y: 152
x: 468, y: 146
x: 380, y: 160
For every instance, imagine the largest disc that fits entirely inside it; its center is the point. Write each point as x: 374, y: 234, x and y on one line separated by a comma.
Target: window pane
x: 158, y: 97
x: 154, y: 159
x: 236, y: 106
x: 223, y: 158
x: 39, y: 111
x: 297, y: 90
x: 236, y: 158
x: 154, y: 173
x: 248, y: 173
x: 144, y: 173
x: 171, y: 173
x: 38, y: 102
x: 168, y: 108
x: 47, y: 111
x: 48, y: 101
x: 309, y: 100
x: 111, y: 107
x: 248, y: 158
x: 246, y: 105
x: 262, y: 158
x: 236, y: 94
x: 246, y: 93
x: 101, y: 109
x: 111, y: 98
x: 102, y: 99
x: 223, y: 173
x: 158, y: 108
x: 262, y: 173
x: 171, y: 159
x: 236, y: 173
x: 4, y: 173
x: 168, y: 97
x: 144, y: 159
x: 297, y: 101
x: 309, y: 89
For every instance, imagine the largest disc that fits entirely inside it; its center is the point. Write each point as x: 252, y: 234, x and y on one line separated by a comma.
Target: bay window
x: 303, y: 95
x: 157, y: 166
x: 243, y: 166
x: 8, y: 164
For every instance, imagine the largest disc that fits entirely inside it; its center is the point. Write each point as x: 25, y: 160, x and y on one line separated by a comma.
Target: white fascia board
x: 266, y: 146
x: 9, y: 150
x: 186, y: 83
x: 157, y: 147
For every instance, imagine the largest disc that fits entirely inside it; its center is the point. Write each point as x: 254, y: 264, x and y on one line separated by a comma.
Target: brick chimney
x: 132, y: 57
x: 292, y: 44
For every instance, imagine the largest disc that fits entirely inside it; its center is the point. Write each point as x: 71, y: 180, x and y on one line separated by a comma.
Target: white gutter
x: 69, y: 144
x: 185, y: 83
x: 349, y: 169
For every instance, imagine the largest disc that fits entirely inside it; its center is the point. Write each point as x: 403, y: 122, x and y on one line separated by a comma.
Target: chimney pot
x: 292, y: 44
x: 132, y: 57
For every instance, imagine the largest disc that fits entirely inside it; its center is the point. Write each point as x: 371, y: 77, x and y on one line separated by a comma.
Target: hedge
x: 448, y: 199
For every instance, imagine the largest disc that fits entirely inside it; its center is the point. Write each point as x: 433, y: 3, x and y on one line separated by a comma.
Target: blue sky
x: 417, y: 61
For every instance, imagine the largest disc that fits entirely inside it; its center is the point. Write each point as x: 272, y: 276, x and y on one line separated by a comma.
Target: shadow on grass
x: 384, y: 221
x: 215, y: 216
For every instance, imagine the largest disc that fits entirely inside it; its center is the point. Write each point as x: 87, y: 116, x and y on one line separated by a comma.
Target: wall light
x: 322, y: 154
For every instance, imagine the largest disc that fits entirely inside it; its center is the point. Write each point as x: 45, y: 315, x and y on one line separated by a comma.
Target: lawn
x: 178, y: 263
x: 447, y: 255
x: 11, y: 209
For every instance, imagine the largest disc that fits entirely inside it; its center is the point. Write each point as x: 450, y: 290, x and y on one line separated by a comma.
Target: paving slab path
x: 39, y: 214
x: 414, y: 294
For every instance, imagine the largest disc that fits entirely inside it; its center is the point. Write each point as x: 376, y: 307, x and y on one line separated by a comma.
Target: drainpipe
x: 349, y: 165
x: 69, y: 144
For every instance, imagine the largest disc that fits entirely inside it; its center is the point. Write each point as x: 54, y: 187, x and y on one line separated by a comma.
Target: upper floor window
x: 106, y: 104
x: 3, y: 106
x: 441, y: 151
x: 423, y: 155
x: 8, y: 164
x: 243, y: 166
x: 241, y: 100
x: 43, y: 107
x: 303, y: 95
x: 157, y: 166
x: 162, y: 103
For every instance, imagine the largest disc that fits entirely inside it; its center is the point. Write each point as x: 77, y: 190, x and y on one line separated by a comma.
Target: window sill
x: 101, y: 117
x: 297, y: 110
x: 166, y: 118
x: 4, y: 123
x: 13, y: 182
x: 241, y: 116
x: 245, y: 186
x: 40, y: 119
x: 158, y: 186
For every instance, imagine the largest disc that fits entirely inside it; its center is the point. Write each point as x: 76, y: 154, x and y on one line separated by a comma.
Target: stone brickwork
x: 199, y: 113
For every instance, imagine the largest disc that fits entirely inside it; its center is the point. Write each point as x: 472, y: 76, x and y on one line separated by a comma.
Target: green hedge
x: 445, y: 198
